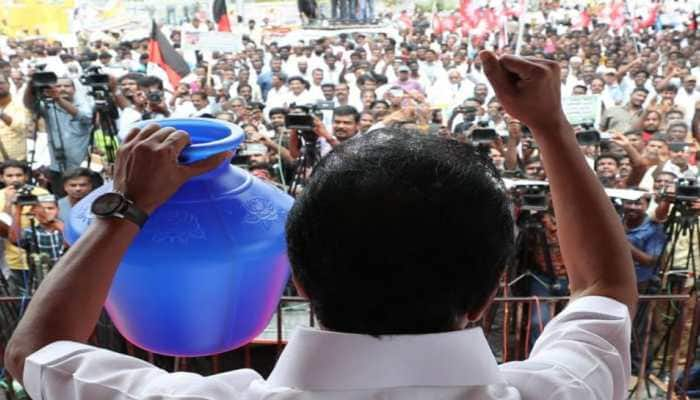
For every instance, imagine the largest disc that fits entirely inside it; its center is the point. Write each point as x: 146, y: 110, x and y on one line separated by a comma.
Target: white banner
x: 212, y: 41
x: 582, y: 109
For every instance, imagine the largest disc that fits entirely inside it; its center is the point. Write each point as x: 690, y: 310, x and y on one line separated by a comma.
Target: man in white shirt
x: 687, y: 97
x: 297, y: 93
x: 278, y: 94
x: 404, y: 336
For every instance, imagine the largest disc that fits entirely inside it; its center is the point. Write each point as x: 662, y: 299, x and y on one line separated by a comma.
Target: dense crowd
x: 296, y: 101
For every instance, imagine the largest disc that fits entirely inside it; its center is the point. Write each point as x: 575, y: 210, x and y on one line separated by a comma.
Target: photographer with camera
x: 13, y: 197
x: 68, y: 123
x: 346, y: 124
x: 156, y: 106
x: 43, y: 239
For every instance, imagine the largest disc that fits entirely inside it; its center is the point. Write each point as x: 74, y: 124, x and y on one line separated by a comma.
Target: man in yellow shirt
x: 13, y: 124
x: 14, y: 175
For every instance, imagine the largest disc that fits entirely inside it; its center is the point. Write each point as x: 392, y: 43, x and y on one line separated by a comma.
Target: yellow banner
x: 35, y: 17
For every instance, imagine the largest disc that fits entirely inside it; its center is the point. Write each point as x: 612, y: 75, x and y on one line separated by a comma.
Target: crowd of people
x: 645, y: 137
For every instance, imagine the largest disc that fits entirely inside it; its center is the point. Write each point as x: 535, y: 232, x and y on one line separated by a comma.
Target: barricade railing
x: 664, y: 341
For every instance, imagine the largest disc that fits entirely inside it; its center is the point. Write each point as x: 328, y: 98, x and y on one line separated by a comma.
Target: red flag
x: 617, y: 16
x: 468, y: 10
x: 163, y: 54
x: 437, y: 25
x: 221, y: 16
x: 491, y: 19
x: 449, y: 23
x: 584, y: 20
x: 651, y: 18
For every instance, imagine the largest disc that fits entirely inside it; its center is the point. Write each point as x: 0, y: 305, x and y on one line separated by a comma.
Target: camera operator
x: 15, y: 175
x: 277, y: 116
x: 125, y: 90
x: 147, y: 101
x: 13, y: 124
x: 68, y: 124
x: 44, y: 239
x: 156, y: 106
x: 346, y: 124
x: 647, y: 238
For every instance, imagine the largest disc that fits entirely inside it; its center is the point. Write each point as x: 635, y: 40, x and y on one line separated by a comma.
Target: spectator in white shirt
x: 297, y: 94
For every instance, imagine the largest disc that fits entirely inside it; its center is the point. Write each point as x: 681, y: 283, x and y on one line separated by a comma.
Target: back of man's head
x: 400, y: 233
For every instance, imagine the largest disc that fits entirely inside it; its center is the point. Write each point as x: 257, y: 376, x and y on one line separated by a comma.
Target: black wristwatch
x: 115, y: 205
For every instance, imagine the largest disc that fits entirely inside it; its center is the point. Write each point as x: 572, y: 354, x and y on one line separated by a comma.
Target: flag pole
x: 521, y: 27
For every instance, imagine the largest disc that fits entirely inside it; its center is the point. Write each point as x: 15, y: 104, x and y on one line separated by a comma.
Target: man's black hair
x: 14, y: 164
x: 400, y: 233
x: 134, y: 76
x: 481, y: 102
x: 607, y: 156
x: 343, y: 111
x: 278, y: 110
x: 374, y: 103
x: 95, y: 178
x: 670, y: 87
x: 150, y: 80
x: 296, y: 78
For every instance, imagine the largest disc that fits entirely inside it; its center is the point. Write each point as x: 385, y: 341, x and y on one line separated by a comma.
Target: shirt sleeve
x: 583, y: 353
x: 84, y: 116
x: 69, y: 370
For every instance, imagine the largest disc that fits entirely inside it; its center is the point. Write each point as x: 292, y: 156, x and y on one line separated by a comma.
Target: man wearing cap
x: 404, y: 80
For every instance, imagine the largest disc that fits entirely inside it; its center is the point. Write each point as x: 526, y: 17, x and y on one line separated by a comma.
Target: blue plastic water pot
x: 207, y: 270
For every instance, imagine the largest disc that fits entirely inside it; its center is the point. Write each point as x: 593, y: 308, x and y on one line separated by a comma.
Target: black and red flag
x: 163, y: 54
x: 221, y: 16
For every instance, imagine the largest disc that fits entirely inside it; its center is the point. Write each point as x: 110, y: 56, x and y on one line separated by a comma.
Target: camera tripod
x: 682, y: 225
x: 103, y: 119
x: 520, y: 276
x: 9, y: 312
x: 310, y: 155
x: 55, y: 138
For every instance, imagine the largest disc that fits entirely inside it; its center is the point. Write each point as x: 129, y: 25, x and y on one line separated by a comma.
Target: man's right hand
x: 517, y: 81
x: 592, y: 240
x: 10, y: 196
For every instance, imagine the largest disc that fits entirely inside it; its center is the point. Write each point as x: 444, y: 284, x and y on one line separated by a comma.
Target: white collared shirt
x: 583, y: 353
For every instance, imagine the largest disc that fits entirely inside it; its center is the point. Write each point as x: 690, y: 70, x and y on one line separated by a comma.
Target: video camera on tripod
x: 687, y: 191
x: 42, y: 81
x: 98, y: 84
x: 529, y: 195
x: 301, y: 118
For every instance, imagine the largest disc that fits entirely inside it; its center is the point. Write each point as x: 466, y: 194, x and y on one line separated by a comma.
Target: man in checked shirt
x: 43, y: 240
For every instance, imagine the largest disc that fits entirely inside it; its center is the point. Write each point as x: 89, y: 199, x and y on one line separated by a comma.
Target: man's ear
x: 475, y: 315
x: 299, y: 287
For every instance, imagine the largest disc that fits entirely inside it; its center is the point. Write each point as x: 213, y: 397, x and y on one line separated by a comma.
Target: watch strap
x: 132, y: 213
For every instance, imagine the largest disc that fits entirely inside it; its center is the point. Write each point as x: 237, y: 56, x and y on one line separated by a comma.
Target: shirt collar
x: 325, y: 360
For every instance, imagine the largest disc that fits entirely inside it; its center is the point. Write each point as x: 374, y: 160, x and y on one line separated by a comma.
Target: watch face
x: 107, y: 204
